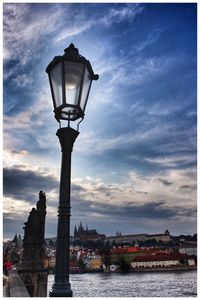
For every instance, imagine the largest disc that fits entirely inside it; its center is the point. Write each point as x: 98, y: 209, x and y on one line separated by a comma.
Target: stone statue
x: 32, y: 271
x: 33, y: 241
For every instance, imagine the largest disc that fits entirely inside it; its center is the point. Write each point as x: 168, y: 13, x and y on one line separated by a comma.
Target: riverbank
x: 153, y: 270
x: 141, y: 270
x: 174, y: 269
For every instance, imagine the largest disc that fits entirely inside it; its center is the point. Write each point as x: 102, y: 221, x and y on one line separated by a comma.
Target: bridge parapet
x: 16, y: 287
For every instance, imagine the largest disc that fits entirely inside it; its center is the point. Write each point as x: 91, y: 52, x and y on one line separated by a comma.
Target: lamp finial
x: 72, y: 50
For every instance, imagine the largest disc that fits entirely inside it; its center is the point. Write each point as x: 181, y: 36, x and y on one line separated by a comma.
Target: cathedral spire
x: 75, y: 231
x: 15, y: 238
x: 81, y: 226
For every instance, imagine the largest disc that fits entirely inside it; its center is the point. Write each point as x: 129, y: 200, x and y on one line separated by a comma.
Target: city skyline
x: 134, y: 163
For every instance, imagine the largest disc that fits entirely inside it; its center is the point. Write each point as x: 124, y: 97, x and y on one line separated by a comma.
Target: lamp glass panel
x: 73, y: 76
x: 86, y: 86
x: 56, y: 79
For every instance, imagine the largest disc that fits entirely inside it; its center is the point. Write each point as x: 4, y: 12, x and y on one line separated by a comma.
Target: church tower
x: 75, y: 232
x: 80, y: 228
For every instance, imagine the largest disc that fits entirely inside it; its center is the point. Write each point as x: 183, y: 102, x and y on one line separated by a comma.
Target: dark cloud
x: 152, y: 217
x: 15, y: 152
x: 153, y: 210
x: 140, y: 192
x: 25, y: 184
x: 21, y: 184
x: 12, y: 224
x: 185, y: 187
x: 187, y: 212
x: 77, y: 188
x: 127, y: 211
x: 165, y: 182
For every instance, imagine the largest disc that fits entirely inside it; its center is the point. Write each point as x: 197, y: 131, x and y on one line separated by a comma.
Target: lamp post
x: 70, y: 78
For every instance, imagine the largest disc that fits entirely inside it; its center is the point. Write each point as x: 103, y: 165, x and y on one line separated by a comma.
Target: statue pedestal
x: 35, y: 281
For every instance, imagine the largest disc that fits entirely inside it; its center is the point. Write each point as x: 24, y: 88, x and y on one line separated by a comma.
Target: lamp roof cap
x: 72, y: 54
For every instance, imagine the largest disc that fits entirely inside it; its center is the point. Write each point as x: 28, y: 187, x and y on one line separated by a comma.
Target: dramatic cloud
x: 134, y: 162
x: 31, y: 26
x: 21, y: 184
x: 113, y: 15
x: 155, y: 210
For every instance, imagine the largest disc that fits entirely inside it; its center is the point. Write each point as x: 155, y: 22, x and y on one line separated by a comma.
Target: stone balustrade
x: 15, y: 286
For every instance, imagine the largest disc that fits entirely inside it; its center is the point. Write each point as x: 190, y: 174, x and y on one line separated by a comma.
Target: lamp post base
x: 61, y: 290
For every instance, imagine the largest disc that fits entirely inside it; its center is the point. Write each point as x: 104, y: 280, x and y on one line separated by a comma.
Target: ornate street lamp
x: 70, y: 78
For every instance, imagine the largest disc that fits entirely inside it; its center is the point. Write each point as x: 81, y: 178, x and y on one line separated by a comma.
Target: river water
x: 165, y: 284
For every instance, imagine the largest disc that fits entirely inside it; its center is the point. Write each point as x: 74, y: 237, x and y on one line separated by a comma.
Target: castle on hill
x: 85, y: 234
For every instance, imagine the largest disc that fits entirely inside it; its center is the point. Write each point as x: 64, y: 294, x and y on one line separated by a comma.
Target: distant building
x: 93, y: 262
x: 82, y: 234
x: 188, y: 248
x: 12, y: 250
x: 96, y: 263
x: 127, y: 253
x: 17, y: 240
x: 162, y: 261
x: 130, y: 238
x: 52, y: 261
x: 46, y: 261
x: 51, y: 242
x: 161, y: 237
x: 127, y: 238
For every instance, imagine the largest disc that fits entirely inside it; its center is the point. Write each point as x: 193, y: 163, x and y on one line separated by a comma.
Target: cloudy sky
x: 134, y: 162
